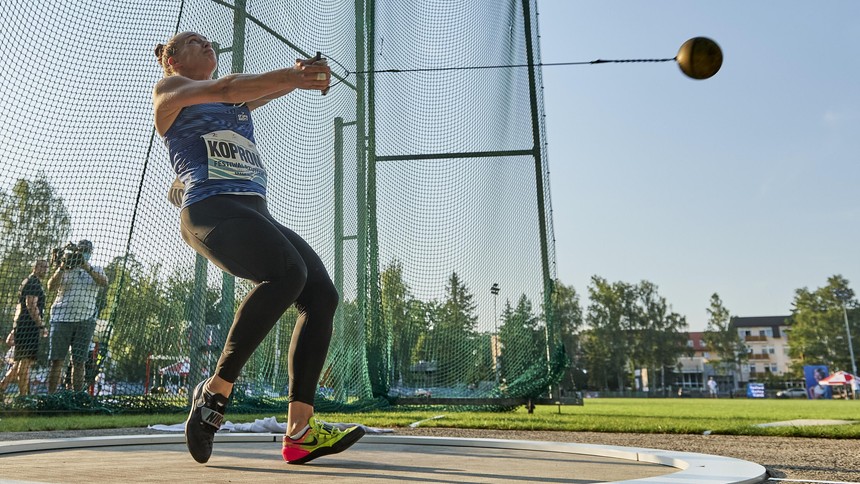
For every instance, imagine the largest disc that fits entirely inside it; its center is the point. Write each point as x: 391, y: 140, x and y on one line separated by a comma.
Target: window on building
x: 768, y: 332
x: 689, y: 343
x: 771, y: 350
x: 774, y: 367
x: 745, y: 368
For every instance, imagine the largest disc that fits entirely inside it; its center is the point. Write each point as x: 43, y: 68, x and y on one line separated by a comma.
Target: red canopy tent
x: 838, y: 378
x: 181, y: 368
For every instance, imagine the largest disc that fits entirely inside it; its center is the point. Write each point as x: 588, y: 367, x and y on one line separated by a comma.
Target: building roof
x: 759, y: 321
x: 697, y: 338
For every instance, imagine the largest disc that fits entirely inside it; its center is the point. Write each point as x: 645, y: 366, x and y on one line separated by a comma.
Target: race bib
x: 233, y: 157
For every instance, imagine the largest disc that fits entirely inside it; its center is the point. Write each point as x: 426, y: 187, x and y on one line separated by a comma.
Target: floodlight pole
x: 850, y: 344
x: 843, y: 295
x: 494, y: 339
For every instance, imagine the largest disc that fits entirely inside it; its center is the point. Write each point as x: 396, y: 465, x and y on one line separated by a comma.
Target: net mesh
x: 419, y: 190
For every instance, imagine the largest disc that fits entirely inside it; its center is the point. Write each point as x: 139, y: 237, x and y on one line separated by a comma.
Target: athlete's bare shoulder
x: 164, y: 97
x: 170, y: 83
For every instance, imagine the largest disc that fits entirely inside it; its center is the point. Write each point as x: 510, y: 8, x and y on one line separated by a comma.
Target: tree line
x: 416, y: 342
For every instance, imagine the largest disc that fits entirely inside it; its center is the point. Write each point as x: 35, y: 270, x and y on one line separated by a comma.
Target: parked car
x: 791, y: 393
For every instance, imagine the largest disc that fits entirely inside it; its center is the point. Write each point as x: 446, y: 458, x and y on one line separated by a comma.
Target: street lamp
x: 850, y: 344
x: 844, y: 295
x: 494, y: 290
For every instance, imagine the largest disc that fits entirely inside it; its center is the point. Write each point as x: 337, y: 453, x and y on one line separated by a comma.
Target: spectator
x: 73, y: 314
x: 27, y: 329
x: 712, y: 387
x: 10, y: 372
x: 100, y: 382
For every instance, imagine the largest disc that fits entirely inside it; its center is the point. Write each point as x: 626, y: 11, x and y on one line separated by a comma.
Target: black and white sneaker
x: 205, y: 418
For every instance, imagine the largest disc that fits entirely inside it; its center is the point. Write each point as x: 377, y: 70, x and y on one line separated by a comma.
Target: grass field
x: 673, y: 416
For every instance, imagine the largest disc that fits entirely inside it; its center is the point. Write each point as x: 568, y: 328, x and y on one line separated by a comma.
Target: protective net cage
x: 424, y: 192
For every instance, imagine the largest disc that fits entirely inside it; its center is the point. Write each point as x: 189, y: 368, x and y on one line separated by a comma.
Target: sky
x: 745, y: 184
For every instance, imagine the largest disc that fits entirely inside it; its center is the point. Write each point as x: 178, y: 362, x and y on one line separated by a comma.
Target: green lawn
x: 678, y: 416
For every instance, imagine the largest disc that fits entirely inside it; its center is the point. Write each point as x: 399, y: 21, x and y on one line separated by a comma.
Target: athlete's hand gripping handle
x: 319, y: 58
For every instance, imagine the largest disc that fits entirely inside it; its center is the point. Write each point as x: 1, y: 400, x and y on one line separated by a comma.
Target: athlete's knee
x: 332, y: 297
x: 324, y: 297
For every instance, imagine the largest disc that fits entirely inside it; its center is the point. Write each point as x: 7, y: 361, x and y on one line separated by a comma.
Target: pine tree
x: 723, y: 341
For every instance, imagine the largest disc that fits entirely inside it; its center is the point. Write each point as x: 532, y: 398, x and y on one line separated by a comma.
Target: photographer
x: 73, y: 314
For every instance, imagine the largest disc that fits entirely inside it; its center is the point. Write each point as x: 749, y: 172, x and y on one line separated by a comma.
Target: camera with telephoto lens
x: 71, y: 256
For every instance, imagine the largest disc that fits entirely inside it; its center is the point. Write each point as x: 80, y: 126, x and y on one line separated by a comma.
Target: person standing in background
x: 712, y: 387
x: 73, y: 314
x: 28, y: 328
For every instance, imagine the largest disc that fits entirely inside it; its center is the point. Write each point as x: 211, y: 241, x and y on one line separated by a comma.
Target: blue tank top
x: 213, y: 152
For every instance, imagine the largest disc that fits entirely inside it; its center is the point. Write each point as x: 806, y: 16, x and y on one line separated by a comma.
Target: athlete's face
x: 195, y: 56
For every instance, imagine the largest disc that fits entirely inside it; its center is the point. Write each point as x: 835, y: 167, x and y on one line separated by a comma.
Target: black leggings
x: 237, y: 233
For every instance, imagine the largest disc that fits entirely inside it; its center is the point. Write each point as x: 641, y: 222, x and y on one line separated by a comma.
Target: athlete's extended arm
x: 271, y: 97
x: 173, y: 93
x: 252, y: 105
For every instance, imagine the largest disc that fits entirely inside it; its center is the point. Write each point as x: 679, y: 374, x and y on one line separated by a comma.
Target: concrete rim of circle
x: 693, y: 468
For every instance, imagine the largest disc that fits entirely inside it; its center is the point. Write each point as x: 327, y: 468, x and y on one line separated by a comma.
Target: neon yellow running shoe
x: 320, y: 439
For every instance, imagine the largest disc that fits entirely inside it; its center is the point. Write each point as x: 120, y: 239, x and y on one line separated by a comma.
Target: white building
x: 766, y: 338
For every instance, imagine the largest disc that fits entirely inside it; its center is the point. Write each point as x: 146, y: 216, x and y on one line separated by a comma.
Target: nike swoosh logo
x: 310, y: 443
